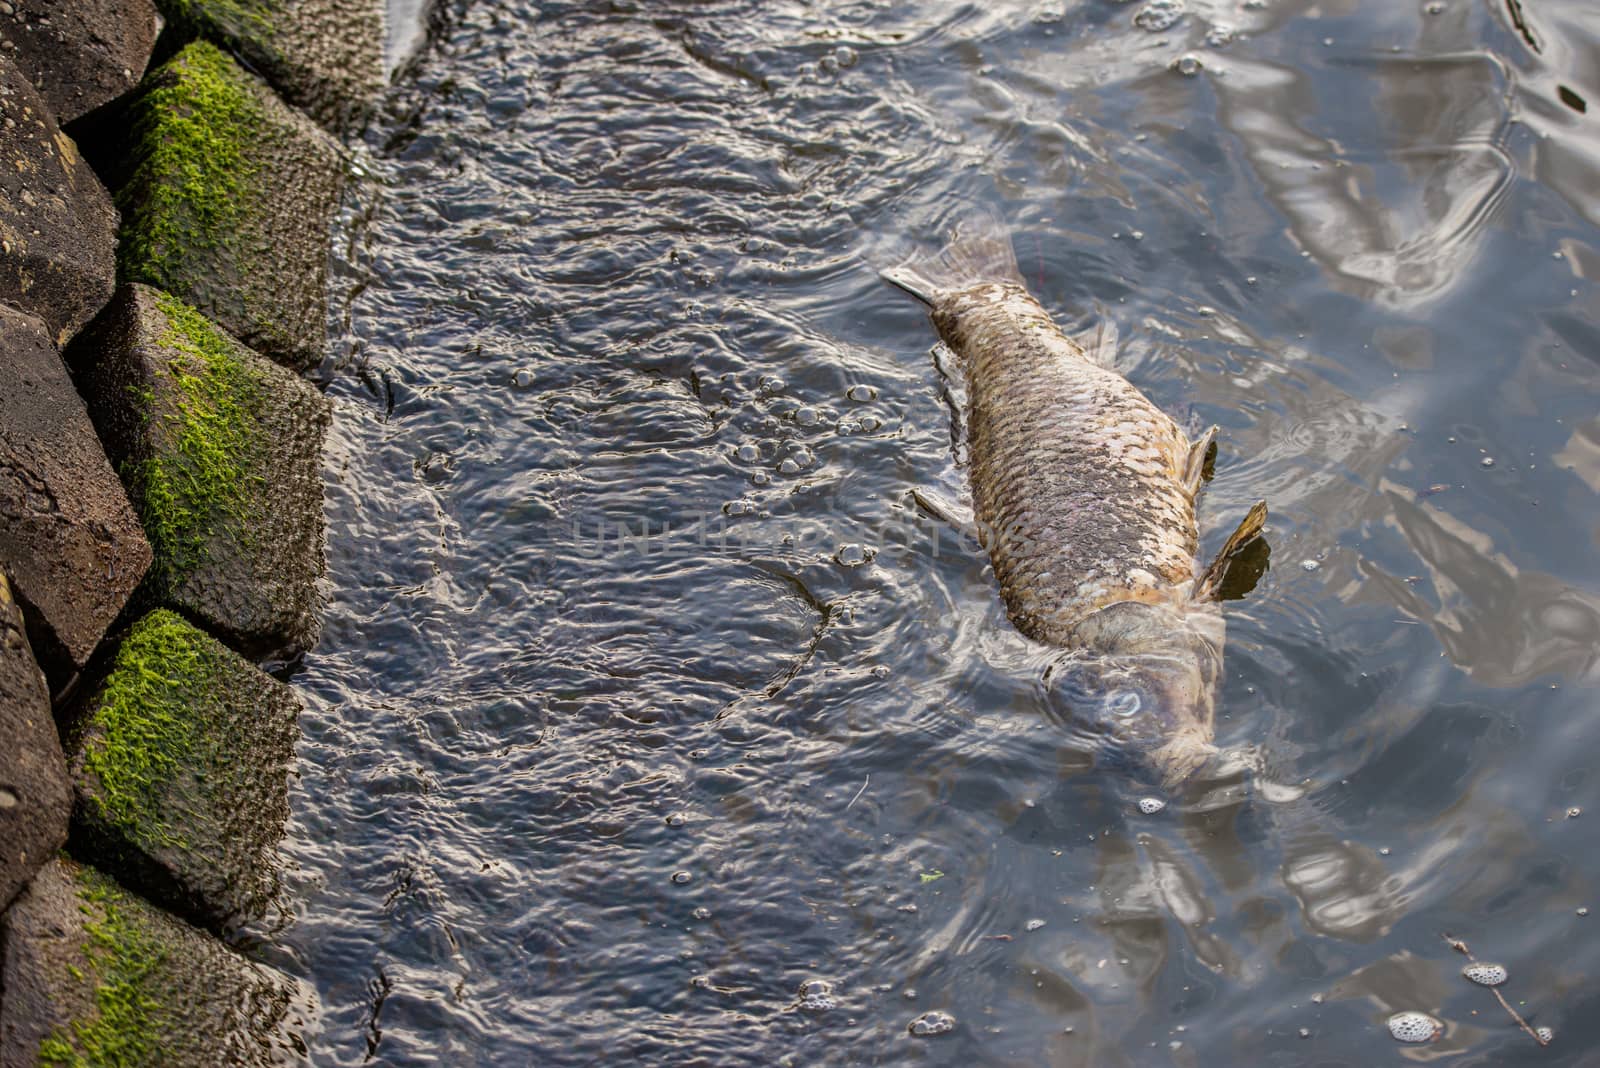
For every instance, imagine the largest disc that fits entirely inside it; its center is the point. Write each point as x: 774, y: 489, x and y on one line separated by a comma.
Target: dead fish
x: 1084, y: 497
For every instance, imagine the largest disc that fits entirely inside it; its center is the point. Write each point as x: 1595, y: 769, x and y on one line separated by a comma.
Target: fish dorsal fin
x: 1194, y: 466
x: 1248, y: 530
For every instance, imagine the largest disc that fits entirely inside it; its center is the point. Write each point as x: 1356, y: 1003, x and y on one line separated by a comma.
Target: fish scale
x: 1076, y: 476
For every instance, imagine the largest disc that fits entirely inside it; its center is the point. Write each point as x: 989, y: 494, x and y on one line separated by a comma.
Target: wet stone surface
x: 68, y: 538
x: 227, y: 195
x: 324, y: 56
x: 94, y: 975
x: 34, y: 797
x: 179, y: 761
x: 79, y: 54
x: 58, y: 229
x: 220, y: 450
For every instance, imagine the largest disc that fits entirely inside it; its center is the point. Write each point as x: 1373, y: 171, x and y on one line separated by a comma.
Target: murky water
x: 778, y: 782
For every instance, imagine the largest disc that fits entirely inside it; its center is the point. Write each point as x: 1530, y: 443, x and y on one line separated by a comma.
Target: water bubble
x: 1485, y: 974
x: 862, y: 393
x: 1151, y: 805
x: 1583, y: 910
x: 1033, y: 925
x: 1383, y: 852
x: 1137, y: 235
x: 1574, y: 812
x: 1487, y: 461
x: 829, y: 64
x: 760, y: 478
x: 790, y: 466
x: 1305, y: 1032
x: 739, y: 507
x: 1316, y: 999
x: 1310, y: 565
x: 749, y: 452
x: 816, y: 995
x: 845, y: 56
x: 701, y: 913
x: 869, y: 423
x: 1218, y: 36
x: 807, y: 416
x: 523, y: 378
x: 932, y: 1023
x: 1187, y: 65
x: 1414, y: 1027
x: 1159, y: 15
x: 681, y: 877
x: 676, y: 819
x: 852, y: 554
x: 1250, y: 281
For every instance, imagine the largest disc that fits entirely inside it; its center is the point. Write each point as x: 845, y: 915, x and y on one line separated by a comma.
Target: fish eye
x: 1122, y: 703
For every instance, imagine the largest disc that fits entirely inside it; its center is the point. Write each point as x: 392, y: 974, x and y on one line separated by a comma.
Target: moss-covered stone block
x: 95, y: 977
x: 58, y: 230
x: 326, y: 56
x: 179, y: 760
x: 80, y: 54
x: 220, y: 451
x: 227, y: 196
x: 34, y: 798
x: 68, y: 538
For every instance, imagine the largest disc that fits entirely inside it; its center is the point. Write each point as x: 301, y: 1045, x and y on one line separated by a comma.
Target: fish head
x: 1144, y: 679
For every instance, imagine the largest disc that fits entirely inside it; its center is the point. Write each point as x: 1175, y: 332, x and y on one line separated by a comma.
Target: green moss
x: 146, y: 723
x: 122, y: 957
x: 233, y: 20
x: 196, y: 485
x: 190, y: 172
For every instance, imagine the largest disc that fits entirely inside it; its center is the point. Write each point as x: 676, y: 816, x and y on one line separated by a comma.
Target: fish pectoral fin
x: 1237, y: 550
x: 948, y: 511
x: 1202, y: 454
x: 1100, y: 345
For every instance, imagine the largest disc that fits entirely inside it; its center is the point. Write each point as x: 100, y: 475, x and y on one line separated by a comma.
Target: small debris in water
x: 1574, y: 812
x: 1159, y: 15
x: 1414, y: 1027
x: 681, y: 877
x: 1305, y: 1032
x: 930, y: 1024
x: 701, y: 913
x: 7, y: 798
x: 1485, y: 974
x: 816, y: 995
x: 1316, y: 999
x: 1487, y: 461
x: 932, y: 876
x: 1544, y: 1034
x: 852, y: 554
x: 1437, y: 7
x: 676, y: 819
x: 1188, y: 65
x: 523, y: 378
x: 1383, y: 852
x: 1218, y: 36
x: 1033, y: 925
x: 1151, y: 805
x: 1310, y: 565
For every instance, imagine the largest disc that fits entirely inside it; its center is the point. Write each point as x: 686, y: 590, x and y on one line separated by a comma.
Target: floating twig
x: 859, y: 792
x: 1461, y: 947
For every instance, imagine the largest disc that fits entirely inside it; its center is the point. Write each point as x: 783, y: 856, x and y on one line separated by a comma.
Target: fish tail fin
x: 979, y: 251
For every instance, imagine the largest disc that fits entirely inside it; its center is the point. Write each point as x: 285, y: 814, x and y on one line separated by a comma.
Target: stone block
x: 93, y: 975
x: 221, y: 454
x: 227, y: 196
x: 34, y: 798
x: 79, y: 54
x: 179, y: 760
x: 68, y: 538
x: 58, y: 230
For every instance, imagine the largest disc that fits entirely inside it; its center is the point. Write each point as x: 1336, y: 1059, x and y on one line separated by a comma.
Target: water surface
x: 766, y: 787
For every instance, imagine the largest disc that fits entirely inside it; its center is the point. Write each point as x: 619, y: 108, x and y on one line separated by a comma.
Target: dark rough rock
x: 58, y: 230
x: 93, y: 975
x: 326, y: 56
x: 79, y: 54
x: 34, y: 797
x: 227, y: 197
x: 68, y: 538
x: 221, y: 453
x: 179, y: 762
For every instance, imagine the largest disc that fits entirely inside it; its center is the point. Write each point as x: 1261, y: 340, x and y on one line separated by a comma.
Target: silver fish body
x: 1084, y: 494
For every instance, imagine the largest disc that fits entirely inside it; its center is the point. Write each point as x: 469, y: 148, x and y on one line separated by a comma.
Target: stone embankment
x: 161, y: 531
